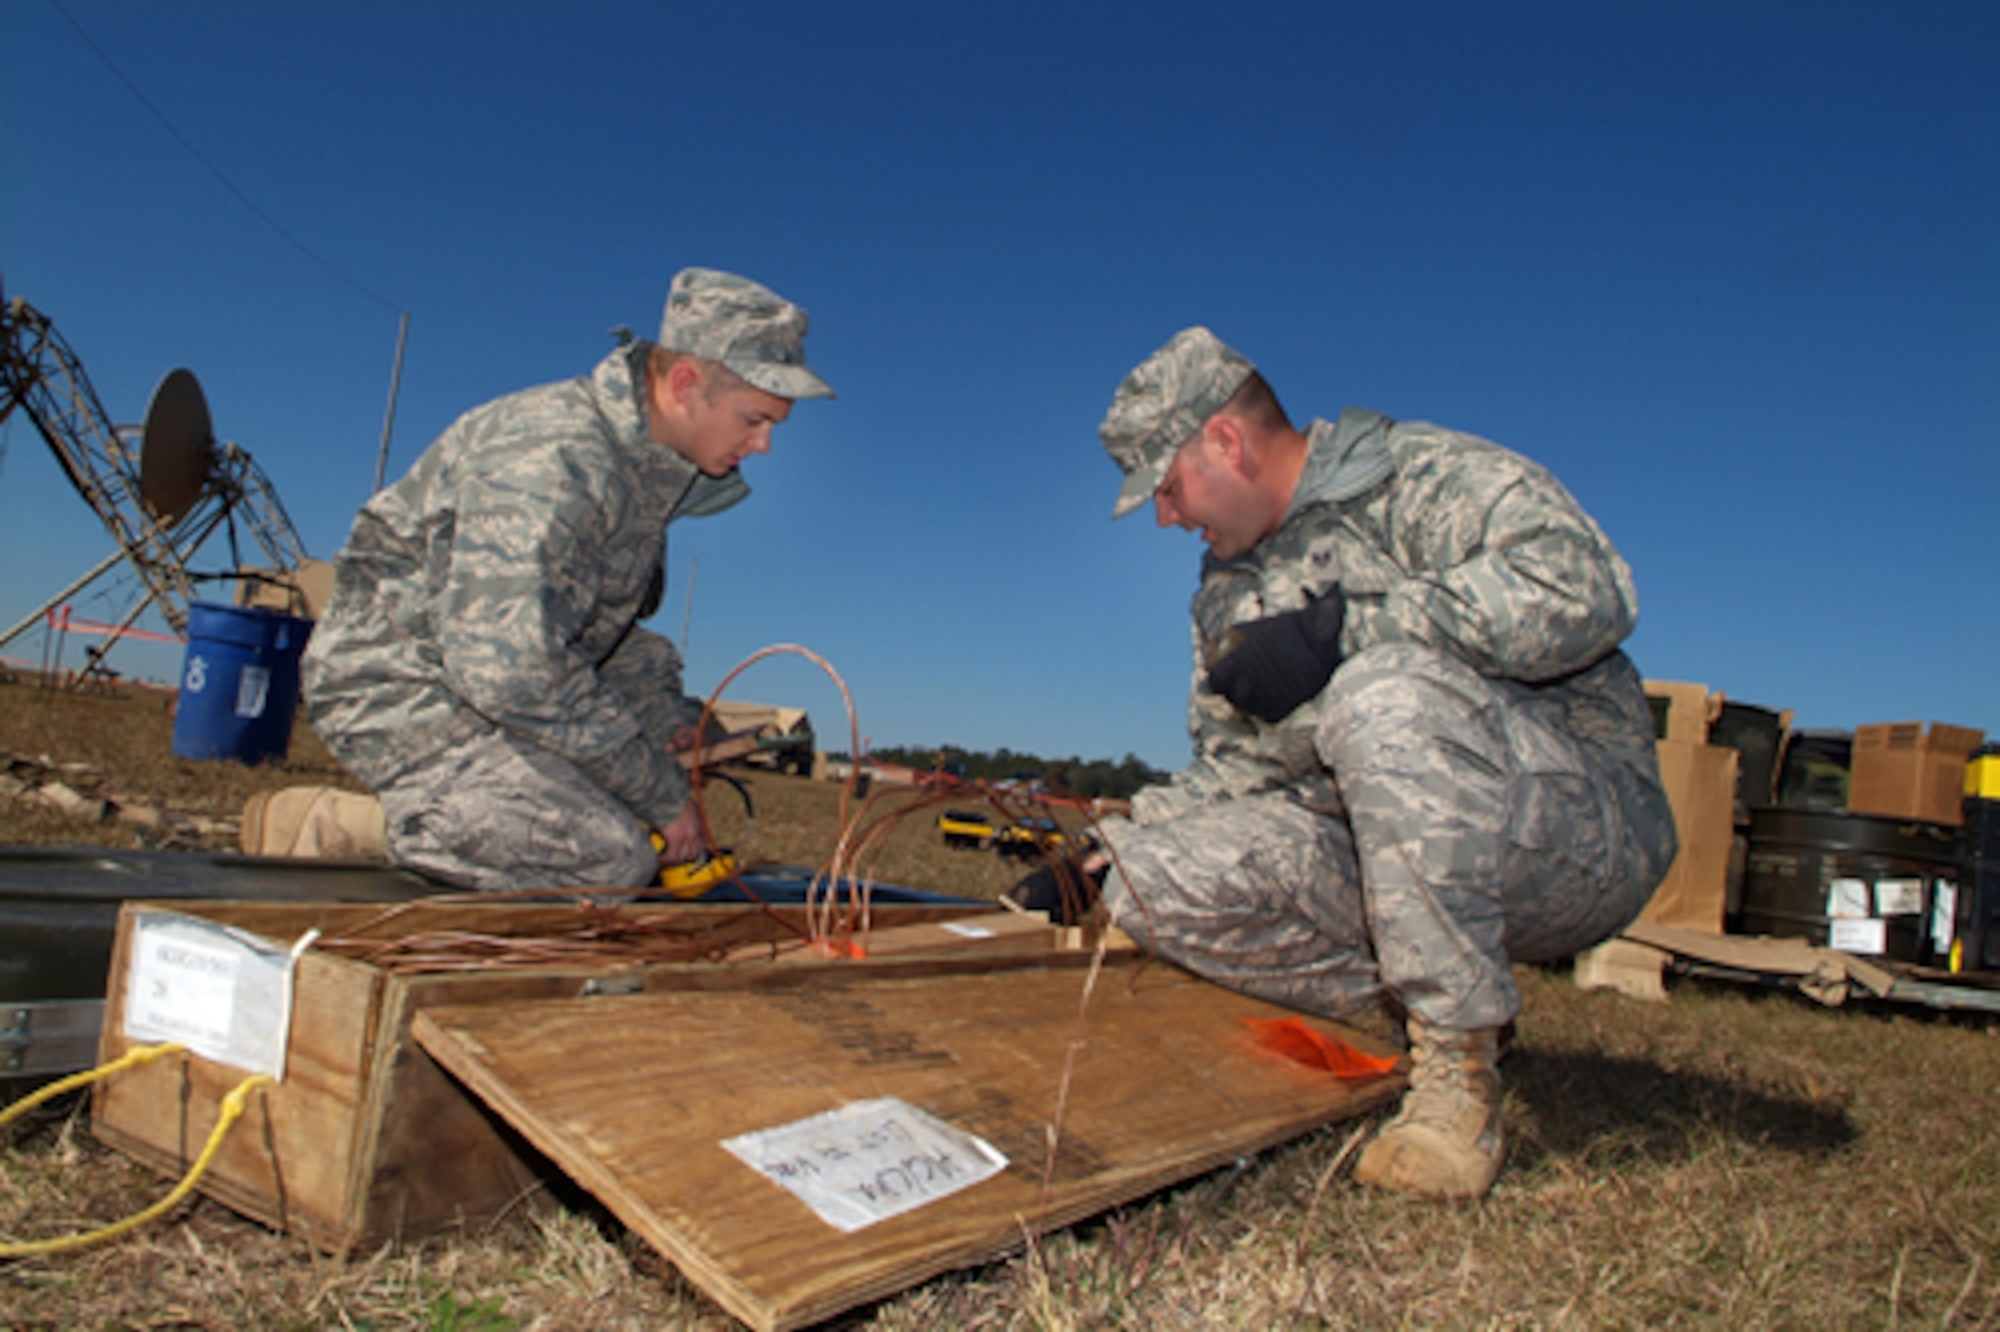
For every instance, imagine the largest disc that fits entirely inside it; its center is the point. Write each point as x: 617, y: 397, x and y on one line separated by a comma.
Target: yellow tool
x: 695, y: 877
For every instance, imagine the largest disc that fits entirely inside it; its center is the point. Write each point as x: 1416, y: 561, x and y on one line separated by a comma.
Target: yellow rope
x: 137, y: 1055
x: 231, y: 1109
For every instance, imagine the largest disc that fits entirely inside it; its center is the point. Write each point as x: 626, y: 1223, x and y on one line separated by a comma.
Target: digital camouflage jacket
x: 494, y: 583
x: 1437, y: 538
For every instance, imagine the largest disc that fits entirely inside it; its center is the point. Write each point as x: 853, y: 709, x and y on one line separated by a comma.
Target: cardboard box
x: 1700, y: 780
x: 1690, y: 710
x: 1701, y: 784
x: 303, y: 592
x: 1903, y: 770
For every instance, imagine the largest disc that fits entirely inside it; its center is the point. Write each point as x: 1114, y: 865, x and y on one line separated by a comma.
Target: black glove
x: 1063, y: 890
x: 1275, y: 664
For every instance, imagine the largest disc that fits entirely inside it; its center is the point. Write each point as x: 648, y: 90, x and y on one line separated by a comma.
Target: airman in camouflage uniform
x: 1419, y: 752
x: 481, y: 664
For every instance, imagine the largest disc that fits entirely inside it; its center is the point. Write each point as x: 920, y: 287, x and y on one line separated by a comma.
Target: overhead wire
x: 216, y: 171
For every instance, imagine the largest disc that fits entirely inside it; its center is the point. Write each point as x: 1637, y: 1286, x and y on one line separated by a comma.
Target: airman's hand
x: 1276, y: 664
x: 1065, y: 890
x: 683, y: 838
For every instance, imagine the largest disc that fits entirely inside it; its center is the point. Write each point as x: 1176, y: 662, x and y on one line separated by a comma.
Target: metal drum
x: 1861, y: 883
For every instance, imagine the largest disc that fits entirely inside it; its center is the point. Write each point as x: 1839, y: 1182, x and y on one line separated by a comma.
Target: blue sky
x: 1731, y: 270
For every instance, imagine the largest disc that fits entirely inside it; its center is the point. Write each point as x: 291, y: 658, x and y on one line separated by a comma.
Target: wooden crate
x: 367, y: 1139
x: 414, y: 1102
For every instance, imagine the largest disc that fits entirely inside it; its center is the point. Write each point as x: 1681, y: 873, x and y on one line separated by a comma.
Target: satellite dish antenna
x: 159, y: 507
x: 176, y: 448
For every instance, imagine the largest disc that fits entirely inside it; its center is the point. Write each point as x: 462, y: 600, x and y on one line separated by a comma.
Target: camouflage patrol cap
x: 1162, y: 403
x: 748, y: 329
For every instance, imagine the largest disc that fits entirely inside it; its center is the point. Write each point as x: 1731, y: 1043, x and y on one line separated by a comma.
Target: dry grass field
x: 1732, y: 1158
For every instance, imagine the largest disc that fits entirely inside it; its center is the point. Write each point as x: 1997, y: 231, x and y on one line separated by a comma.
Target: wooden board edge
x: 576, y: 1159
x: 1137, y: 1185
x: 385, y: 1015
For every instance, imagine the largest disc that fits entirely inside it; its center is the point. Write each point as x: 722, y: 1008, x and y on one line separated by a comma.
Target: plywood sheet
x: 635, y: 1096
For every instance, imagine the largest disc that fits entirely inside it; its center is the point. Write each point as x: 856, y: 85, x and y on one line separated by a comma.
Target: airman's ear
x: 672, y: 383
x: 1231, y: 444
x: 683, y: 381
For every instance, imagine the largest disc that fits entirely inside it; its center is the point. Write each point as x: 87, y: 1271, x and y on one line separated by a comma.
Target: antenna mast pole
x: 687, y: 607
x: 395, y: 386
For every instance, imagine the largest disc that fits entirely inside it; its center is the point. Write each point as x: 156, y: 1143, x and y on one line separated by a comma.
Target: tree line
x: 1095, y: 778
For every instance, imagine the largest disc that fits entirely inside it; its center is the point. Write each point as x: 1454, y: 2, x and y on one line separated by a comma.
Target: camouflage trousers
x: 1478, y: 829
x: 646, y: 672
x: 498, y: 813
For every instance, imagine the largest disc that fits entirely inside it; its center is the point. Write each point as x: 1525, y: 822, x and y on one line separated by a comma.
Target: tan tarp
x: 767, y: 720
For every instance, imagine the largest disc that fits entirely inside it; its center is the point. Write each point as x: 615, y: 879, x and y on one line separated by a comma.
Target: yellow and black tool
x: 693, y: 878
x: 1977, y: 945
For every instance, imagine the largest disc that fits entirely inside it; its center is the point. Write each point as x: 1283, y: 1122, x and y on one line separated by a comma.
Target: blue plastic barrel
x: 240, y: 685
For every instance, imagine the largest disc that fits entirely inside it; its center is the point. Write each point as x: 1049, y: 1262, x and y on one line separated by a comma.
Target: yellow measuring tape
x: 231, y: 1109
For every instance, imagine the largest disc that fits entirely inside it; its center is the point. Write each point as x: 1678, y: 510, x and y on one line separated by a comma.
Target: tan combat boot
x: 1445, y: 1142
x: 316, y: 821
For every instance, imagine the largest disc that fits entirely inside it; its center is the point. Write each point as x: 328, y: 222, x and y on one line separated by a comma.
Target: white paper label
x: 868, y: 1161
x: 223, y: 993
x: 1899, y: 897
x: 1944, y: 915
x: 1867, y: 937
x: 182, y: 990
x: 1846, y: 898
x: 253, y: 690
x: 968, y: 930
